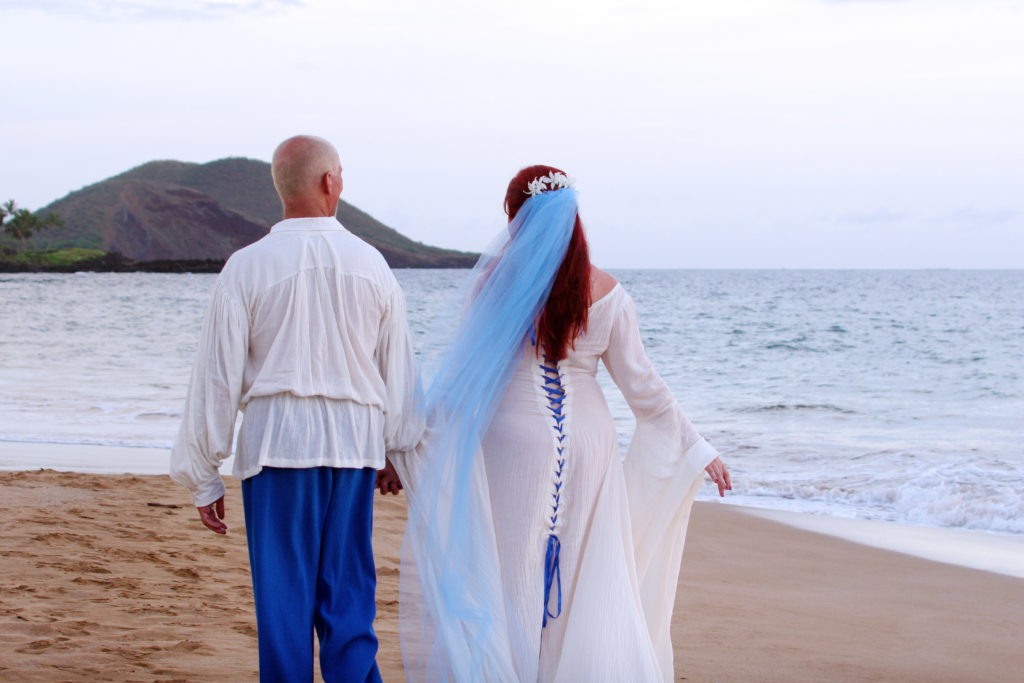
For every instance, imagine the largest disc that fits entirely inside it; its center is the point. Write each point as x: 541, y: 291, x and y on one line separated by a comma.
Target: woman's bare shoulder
x: 600, y: 283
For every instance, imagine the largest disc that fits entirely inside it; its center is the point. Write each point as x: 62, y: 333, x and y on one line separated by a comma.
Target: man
x: 306, y: 333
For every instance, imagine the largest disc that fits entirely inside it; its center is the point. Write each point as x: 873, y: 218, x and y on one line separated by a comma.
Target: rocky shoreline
x: 117, y: 263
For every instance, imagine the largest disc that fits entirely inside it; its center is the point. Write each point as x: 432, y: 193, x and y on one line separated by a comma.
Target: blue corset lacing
x: 552, y: 385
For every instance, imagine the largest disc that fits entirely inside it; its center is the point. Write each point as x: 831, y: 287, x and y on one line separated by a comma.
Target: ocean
x: 885, y: 395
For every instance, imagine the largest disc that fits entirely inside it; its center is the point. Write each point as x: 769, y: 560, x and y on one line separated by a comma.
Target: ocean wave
x: 792, y: 346
x: 86, y: 441
x: 941, y: 499
x: 157, y: 414
x: 827, y: 407
x: 970, y: 499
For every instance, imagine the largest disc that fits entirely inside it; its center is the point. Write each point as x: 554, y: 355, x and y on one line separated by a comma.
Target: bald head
x: 307, y: 175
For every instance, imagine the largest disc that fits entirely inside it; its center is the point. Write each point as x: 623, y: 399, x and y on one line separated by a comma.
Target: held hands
x: 388, y: 481
x: 212, y: 514
x: 719, y: 474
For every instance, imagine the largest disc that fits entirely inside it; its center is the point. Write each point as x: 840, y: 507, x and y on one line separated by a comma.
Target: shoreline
x: 1001, y: 553
x: 989, y: 551
x: 116, y: 263
x: 113, y: 262
x: 112, y: 577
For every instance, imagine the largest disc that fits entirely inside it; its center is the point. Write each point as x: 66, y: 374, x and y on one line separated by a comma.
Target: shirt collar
x: 309, y: 223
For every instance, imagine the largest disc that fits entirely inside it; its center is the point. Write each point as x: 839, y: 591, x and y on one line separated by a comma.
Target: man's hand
x: 720, y: 475
x: 388, y: 481
x: 212, y: 514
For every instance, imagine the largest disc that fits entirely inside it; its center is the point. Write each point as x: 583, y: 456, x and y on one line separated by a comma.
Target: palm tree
x: 21, y: 224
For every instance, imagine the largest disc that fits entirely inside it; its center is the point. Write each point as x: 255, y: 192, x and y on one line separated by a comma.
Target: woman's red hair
x: 565, y: 314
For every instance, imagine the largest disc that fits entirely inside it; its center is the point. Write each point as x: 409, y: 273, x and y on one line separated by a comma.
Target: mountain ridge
x: 168, y: 210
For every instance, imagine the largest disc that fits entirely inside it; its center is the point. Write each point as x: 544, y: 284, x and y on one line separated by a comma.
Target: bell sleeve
x: 663, y: 471
x: 214, y: 393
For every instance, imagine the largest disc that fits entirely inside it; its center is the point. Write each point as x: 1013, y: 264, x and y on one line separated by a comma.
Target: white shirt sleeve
x: 403, y: 419
x: 214, y: 393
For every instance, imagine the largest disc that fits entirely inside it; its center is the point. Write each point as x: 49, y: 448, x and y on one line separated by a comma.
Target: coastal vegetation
x: 20, y: 224
x: 55, y: 258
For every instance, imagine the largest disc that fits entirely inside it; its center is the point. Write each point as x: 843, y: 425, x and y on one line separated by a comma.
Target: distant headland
x: 174, y: 216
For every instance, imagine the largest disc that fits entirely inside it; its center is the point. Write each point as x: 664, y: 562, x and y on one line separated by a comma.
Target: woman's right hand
x: 719, y: 474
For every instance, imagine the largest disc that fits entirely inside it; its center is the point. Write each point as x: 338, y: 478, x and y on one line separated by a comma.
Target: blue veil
x: 452, y: 611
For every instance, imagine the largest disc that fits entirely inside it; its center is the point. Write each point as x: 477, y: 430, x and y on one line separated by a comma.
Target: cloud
x: 147, y: 10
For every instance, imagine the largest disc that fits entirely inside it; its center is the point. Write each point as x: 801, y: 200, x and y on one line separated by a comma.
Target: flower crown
x: 552, y: 181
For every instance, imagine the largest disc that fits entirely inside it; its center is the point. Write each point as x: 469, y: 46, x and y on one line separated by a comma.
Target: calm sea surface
x: 894, y: 395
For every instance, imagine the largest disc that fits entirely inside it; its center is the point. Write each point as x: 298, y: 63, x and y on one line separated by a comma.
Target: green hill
x: 174, y: 210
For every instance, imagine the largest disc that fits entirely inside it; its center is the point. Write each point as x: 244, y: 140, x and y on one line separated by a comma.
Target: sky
x: 701, y: 133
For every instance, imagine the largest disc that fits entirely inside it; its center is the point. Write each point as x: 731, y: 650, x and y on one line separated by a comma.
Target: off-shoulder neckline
x: 608, y: 295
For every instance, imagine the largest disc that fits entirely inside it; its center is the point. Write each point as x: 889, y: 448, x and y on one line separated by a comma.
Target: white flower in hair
x: 559, y: 179
x: 535, y: 187
x: 556, y: 181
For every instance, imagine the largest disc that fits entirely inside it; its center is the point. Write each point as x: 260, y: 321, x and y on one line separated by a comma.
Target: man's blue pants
x: 312, y: 568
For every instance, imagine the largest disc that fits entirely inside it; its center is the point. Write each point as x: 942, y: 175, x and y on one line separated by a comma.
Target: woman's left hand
x: 719, y: 474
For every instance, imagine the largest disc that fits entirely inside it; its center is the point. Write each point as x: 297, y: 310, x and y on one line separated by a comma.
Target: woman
x: 547, y: 557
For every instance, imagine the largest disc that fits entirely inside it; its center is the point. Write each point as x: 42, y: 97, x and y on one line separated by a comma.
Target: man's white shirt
x: 306, y: 333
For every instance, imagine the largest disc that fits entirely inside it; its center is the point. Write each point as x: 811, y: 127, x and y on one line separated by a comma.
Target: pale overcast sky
x: 702, y: 133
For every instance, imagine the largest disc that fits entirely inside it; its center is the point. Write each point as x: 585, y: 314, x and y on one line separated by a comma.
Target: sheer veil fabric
x: 452, y: 615
x: 471, y: 608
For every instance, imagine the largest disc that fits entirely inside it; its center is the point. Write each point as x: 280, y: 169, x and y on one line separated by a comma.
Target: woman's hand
x: 388, y: 481
x: 719, y: 474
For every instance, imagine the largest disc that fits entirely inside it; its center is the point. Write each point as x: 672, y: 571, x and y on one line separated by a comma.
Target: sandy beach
x: 111, y: 577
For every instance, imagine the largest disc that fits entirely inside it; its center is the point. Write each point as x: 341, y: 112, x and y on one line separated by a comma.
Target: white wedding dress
x: 554, y: 470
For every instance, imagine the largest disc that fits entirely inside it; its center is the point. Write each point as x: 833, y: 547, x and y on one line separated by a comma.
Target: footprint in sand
x: 187, y: 573
x: 245, y: 629
x: 40, y: 646
x: 75, y: 567
x: 62, y: 538
x: 149, y: 608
